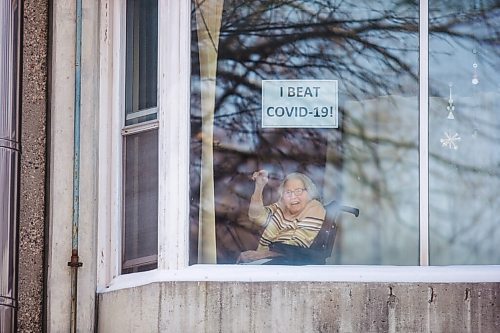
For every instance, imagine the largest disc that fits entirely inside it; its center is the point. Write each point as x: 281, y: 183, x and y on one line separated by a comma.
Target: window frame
x: 131, y: 111
x: 174, y: 62
x: 173, y: 134
x: 126, y: 131
x: 423, y: 137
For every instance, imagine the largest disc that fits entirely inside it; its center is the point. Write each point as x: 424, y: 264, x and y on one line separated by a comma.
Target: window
x: 140, y: 138
x: 373, y: 159
x: 189, y: 133
x: 369, y: 161
x: 464, y: 136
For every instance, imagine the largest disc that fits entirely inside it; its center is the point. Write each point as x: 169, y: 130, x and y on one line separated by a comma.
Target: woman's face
x: 295, y: 196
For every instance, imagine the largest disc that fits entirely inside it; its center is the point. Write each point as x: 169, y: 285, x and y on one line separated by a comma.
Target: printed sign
x: 299, y: 104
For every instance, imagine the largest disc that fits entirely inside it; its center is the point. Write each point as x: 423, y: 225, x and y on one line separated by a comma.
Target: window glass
x: 140, y: 138
x: 141, y: 200
x: 360, y: 58
x: 464, y: 132
x: 141, y: 61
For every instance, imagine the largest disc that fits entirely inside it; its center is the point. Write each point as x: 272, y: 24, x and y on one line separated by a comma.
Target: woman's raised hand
x: 260, y: 177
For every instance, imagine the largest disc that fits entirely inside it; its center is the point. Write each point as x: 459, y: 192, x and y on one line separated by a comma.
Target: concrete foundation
x: 301, y: 307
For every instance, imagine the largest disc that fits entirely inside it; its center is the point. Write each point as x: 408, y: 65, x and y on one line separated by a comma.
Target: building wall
x: 33, y: 166
x: 61, y: 153
x: 301, y: 307
x: 207, y: 306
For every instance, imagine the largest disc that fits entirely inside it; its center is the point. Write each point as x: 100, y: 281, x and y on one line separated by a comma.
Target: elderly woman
x: 294, y: 220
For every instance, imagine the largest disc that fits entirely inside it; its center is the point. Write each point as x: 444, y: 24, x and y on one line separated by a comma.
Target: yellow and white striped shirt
x: 300, y: 231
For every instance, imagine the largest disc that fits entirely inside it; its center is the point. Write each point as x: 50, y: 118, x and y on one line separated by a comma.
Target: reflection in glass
x: 370, y: 161
x: 464, y: 132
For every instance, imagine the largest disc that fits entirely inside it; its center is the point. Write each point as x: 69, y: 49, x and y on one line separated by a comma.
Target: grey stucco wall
x: 33, y: 166
x: 301, y: 307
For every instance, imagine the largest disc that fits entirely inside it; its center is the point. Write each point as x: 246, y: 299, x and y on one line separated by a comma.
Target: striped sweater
x: 300, y: 231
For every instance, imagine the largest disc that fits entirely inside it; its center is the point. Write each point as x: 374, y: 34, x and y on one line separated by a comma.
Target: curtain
x: 208, y: 21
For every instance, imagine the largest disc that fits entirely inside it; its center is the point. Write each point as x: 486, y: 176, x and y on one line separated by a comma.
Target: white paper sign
x: 299, y: 103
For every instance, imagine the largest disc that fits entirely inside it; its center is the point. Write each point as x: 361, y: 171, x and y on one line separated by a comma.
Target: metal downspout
x: 75, y: 262
x: 10, y: 151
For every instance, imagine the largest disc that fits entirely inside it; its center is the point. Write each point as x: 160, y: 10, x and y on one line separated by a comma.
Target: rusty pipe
x: 74, y: 262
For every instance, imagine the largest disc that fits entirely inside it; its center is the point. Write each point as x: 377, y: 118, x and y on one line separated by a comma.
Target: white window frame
x: 423, y: 138
x: 174, y: 61
x: 173, y: 134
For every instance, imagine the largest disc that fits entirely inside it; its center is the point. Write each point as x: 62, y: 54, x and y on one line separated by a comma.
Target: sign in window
x: 300, y: 104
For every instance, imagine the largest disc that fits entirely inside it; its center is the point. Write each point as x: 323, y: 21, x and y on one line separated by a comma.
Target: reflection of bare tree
x: 372, y: 50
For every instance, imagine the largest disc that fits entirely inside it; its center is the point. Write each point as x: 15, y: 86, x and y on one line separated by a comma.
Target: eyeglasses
x: 297, y: 192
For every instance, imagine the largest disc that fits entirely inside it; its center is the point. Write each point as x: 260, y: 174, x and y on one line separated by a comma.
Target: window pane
x: 464, y: 132
x: 142, y: 61
x: 140, y: 200
x: 370, y: 161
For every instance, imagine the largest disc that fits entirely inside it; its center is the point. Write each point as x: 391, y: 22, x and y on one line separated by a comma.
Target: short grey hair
x: 311, y: 189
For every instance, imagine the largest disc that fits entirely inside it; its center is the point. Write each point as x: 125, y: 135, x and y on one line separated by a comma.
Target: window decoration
x: 475, y: 78
x: 451, y: 138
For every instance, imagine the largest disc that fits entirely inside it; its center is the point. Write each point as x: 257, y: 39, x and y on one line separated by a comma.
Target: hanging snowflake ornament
x: 450, y: 141
x: 451, y: 106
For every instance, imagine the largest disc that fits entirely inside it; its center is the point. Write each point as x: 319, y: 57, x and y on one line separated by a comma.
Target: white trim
x: 138, y: 128
x: 119, y: 76
x: 104, y: 148
x: 111, y: 92
x: 360, y: 274
x: 174, y: 60
x: 424, y: 135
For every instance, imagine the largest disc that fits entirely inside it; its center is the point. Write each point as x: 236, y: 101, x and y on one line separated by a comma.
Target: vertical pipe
x: 75, y: 262
x: 10, y: 149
